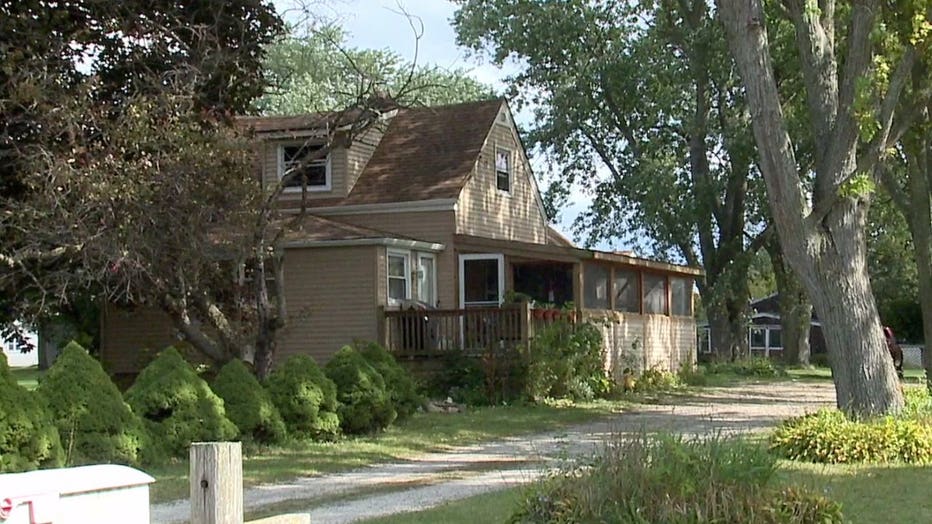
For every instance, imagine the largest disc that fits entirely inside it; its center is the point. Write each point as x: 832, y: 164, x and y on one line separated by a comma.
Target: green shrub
x: 692, y: 376
x: 827, y: 436
x: 746, y: 367
x: 400, y: 384
x: 306, y: 398
x: 248, y: 404
x: 28, y: 437
x: 461, y: 378
x: 177, y: 406
x: 653, y: 380
x: 364, y: 402
x: 673, y: 480
x: 567, y: 361
x: 94, y: 422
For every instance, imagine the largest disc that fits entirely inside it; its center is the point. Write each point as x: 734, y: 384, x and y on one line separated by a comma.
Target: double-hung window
x: 427, y: 279
x: 503, y: 170
x: 399, y: 276
x: 300, y: 164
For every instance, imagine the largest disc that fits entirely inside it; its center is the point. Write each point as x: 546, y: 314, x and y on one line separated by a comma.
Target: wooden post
x: 216, y: 483
x: 525, y: 314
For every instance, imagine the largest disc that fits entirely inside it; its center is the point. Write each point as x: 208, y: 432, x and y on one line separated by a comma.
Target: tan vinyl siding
x: 330, y: 294
x: 432, y: 226
x: 485, y: 211
x: 131, y: 338
x: 338, y: 166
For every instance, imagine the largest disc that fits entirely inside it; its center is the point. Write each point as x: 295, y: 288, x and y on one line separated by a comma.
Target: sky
x: 379, y: 24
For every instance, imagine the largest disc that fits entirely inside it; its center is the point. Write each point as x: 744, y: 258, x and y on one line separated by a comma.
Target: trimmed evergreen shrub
x: 401, y: 386
x: 248, y: 404
x: 747, y: 367
x: 28, y: 438
x: 365, y: 404
x: 177, y: 406
x: 94, y: 423
x: 306, y: 398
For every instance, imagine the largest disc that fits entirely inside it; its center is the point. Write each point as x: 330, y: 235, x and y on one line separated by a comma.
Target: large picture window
x: 655, y: 294
x: 399, y: 283
x: 304, y: 163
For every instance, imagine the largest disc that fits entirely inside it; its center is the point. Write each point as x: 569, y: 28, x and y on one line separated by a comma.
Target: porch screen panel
x: 655, y: 294
x: 774, y: 338
x: 595, y: 286
x: 681, y: 289
x: 758, y: 338
x: 627, y: 292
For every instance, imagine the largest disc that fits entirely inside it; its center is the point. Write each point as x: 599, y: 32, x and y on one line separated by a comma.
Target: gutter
x: 418, y: 245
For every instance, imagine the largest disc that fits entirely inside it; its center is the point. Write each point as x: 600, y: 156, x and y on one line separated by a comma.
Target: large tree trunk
x: 795, y: 308
x: 728, y: 328
x: 824, y: 245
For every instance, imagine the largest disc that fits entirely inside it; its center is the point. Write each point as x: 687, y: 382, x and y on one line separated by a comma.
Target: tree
x: 852, y: 85
x: 640, y: 103
x: 893, y: 271
x: 318, y: 71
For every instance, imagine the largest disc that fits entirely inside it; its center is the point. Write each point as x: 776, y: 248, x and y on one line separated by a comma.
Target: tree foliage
x: 318, y: 71
x: 639, y: 104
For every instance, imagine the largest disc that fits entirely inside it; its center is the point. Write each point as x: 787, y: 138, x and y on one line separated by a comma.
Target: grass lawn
x: 27, y: 377
x: 868, y: 493
x: 422, y: 433
x: 496, y: 506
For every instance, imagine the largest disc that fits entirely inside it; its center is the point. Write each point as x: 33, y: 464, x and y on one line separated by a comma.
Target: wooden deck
x: 434, y: 332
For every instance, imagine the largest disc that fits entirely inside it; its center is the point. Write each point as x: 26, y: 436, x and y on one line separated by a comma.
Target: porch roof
x: 559, y: 253
x: 315, y: 231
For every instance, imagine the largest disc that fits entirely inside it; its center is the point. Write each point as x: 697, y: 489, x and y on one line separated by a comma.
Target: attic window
x: 503, y: 170
x: 304, y: 163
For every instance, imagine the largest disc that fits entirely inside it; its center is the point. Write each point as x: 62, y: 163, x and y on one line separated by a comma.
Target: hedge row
x: 77, y: 415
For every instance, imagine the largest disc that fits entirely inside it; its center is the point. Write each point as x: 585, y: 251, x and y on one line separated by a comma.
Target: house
x: 439, y: 206
x: 764, y: 331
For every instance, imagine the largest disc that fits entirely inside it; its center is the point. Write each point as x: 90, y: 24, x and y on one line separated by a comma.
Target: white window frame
x: 433, y: 291
x: 406, y: 255
x: 328, y: 176
x: 511, y: 169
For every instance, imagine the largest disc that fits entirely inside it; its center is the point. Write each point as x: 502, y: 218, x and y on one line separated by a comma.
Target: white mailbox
x: 104, y: 494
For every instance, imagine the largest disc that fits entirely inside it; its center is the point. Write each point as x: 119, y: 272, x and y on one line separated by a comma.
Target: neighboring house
x: 438, y: 206
x: 764, y: 332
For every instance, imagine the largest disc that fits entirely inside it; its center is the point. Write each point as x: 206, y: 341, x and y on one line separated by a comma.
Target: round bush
x: 178, y: 406
x: 365, y: 404
x: 401, y: 386
x: 94, y: 423
x: 829, y: 437
x: 306, y: 398
x: 28, y: 438
x: 248, y: 404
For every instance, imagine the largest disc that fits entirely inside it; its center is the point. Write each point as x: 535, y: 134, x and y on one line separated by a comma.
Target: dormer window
x: 300, y: 164
x: 503, y: 170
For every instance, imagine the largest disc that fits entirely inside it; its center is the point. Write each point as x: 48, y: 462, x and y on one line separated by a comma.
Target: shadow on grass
x: 868, y: 493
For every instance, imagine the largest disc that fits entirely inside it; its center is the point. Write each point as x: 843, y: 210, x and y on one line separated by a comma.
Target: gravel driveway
x: 434, y: 478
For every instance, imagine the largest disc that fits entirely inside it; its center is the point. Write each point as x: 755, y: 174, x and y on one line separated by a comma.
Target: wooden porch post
x: 578, y: 286
x: 382, y: 331
x: 526, y: 329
